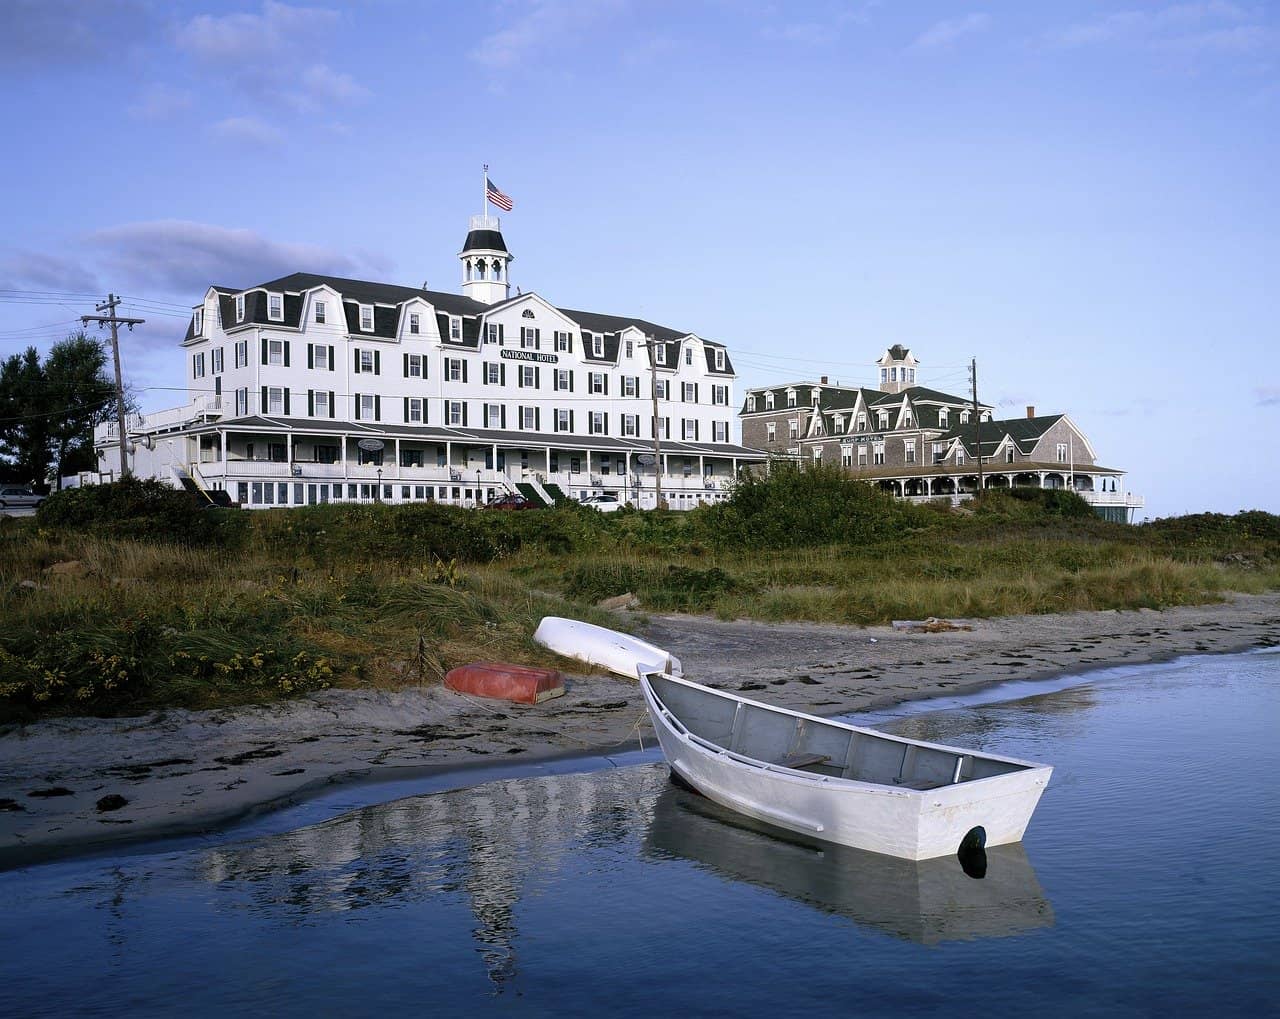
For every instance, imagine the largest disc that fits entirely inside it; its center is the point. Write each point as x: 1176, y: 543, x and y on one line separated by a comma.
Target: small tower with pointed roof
x: 897, y: 369
x: 486, y: 261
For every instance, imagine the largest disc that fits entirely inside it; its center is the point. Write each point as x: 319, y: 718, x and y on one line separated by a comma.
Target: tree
x: 76, y: 377
x: 48, y: 410
x: 24, y: 422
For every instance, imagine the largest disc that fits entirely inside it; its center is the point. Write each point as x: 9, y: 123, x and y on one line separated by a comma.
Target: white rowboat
x: 837, y: 782
x: 597, y: 645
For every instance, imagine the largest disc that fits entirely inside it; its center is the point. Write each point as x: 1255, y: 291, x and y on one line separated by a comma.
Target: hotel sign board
x: 529, y: 355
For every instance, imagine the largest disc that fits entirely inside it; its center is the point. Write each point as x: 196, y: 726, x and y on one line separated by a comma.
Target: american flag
x: 499, y: 199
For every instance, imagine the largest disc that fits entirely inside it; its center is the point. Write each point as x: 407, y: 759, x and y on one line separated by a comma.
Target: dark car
x: 512, y: 502
x: 16, y: 495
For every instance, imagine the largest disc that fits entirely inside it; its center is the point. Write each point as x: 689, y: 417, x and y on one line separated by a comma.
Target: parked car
x: 607, y: 503
x: 512, y: 502
x: 15, y: 495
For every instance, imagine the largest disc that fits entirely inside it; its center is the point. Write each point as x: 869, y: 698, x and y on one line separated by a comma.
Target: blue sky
x: 1081, y: 195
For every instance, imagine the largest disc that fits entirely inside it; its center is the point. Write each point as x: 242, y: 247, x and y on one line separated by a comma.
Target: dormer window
x: 455, y: 327
x: 597, y: 345
x: 839, y: 423
x: 366, y: 318
x: 862, y: 422
x: 719, y: 360
x: 197, y: 322
x: 816, y: 396
x: 660, y: 354
x: 943, y: 418
x: 768, y: 401
x: 239, y: 307
x: 906, y: 419
x: 791, y: 397
x: 275, y: 307
x: 630, y: 348
x: 964, y: 417
x: 688, y: 355
x: 751, y: 403
x: 320, y: 312
x: 1008, y: 454
x: 415, y: 321
x: 884, y: 419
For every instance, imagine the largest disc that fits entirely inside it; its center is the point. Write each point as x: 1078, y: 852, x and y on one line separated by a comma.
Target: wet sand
x: 183, y: 772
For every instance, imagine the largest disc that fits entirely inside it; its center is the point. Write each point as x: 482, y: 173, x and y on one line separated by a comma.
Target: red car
x: 512, y: 502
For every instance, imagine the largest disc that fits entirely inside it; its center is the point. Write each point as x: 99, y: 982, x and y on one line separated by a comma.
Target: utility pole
x: 115, y: 322
x: 977, y: 419
x: 657, y: 445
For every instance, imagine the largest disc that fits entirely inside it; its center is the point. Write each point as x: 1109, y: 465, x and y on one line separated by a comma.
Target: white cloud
x: 34, y: 270
x: 1213, y: 26
x: 248, y: 129
x: 1267, y: 396
x: 240, y: 38
x: 541, y: 25
x: 183, y: 257
x: 943, y: 34
x: 159, y: 102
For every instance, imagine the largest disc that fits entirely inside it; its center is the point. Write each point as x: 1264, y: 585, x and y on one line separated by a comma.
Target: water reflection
x: 926, y: 902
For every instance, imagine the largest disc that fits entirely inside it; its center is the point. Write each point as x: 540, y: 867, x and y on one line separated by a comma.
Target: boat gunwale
x: 835, y: 782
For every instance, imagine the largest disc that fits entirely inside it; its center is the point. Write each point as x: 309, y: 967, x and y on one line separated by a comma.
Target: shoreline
x: 186, y: 773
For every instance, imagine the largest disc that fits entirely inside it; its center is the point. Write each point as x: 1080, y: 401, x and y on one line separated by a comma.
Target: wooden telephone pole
x: 977, y: 419
x: 657, y: 444
x: 115, y: 322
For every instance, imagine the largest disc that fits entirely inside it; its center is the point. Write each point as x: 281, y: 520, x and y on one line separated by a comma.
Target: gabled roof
x: 1025, y: 432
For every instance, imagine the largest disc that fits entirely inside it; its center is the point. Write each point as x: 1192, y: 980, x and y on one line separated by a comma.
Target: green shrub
x: 139, y: 508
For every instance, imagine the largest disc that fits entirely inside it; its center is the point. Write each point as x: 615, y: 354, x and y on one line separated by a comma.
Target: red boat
x: 503, y: 682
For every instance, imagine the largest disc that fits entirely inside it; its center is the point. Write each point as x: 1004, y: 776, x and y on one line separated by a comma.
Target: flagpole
x: 486, y: 194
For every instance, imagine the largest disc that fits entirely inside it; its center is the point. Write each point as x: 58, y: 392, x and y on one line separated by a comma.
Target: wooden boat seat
x: 918, y: 783
x: 802, y: 760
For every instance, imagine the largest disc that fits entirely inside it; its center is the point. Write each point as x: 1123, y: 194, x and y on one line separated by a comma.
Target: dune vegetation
x: 126, y: 598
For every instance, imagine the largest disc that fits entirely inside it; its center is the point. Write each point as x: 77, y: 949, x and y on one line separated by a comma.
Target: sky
x: 1082, y: 197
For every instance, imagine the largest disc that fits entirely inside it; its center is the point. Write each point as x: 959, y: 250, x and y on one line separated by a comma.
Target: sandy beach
x: 183, y: 772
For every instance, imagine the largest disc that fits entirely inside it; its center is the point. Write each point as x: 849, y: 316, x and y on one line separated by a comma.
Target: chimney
x: 1031, y: 411
x: 824, y: 380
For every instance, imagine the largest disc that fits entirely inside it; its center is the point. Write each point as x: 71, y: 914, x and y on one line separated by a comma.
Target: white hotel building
x: 312, y: 388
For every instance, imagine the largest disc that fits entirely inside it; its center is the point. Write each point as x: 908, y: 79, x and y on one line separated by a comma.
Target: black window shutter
x: 357, y: 354
x: 606, y: 423
x: 286, y: 353
x: 263, y: 408
x: 502, y: 372
x: 464, y: 412
x: 500, y: 341
x: 330, y: 359
x: 520, y: 377
x: 537, y: 378
x: 537, y: 339
x: 571, y: 380
x: 286, y: 401
x: 570, y: 420
x: 311, y: 355
x: 537, y: 419
x: 406, y: 405
x: 377, y: 408
x: 377, y: 362
x: 264, y: 351
x: 356, y: 398
x: 502, y: 415
x: 406, y: 366
x: 331, y: 403
x: 464, y: 371
x: 311, y: 403
x: 606, y: 384
x: 520, y: 416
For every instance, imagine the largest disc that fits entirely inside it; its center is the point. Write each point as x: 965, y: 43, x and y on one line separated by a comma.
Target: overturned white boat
x: 837, y: 782
x: 597, y: 645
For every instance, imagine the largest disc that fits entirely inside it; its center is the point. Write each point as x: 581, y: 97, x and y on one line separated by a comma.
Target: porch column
x: 546, y: 465
x: 1041, y: 474
x: 928, y: 486
x: 396, y: 450
x: 223, y: 437
x: 288, y: 448
x: 702, y: 470
x: 448, y: 457
x: 1009, y: 478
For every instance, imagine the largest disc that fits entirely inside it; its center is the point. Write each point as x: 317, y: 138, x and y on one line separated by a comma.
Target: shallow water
x: 1147, y: 883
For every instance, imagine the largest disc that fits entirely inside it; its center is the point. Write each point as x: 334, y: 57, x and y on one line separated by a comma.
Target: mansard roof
x: 1025, y: 432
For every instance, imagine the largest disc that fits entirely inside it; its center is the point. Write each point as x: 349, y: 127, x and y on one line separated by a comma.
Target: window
x: 564, y: 341
x: 1062, y: 452
x: 630, y: 424
x: 791, y: 397
x: 959, y: 455
x: 817, y: 454
x: 412, y: 458
x: 242, y: 353
x: 564, y: 421
x: 366, y: 361
x: 664, y: 388
x: 455, y: 412
x: 909, y: 451
x: 320, y: 405
x: 906, y: 419
x: 415, y: 321
x: 662, y: 427
x: 1008, y: 454
x: 275, y: 352
x: 689, y: 429
x: 597, y: 345
x: 884, y: 375
x: 862, y: 455
x: 598, y: 385
x: 964, y: 417
x: 883, y: 419
x: 366, y: 318
x: 325, y: 454
x: 275, y: 400
x: 492, y: 415
x: 529, y: 376
x: 771, y: 432
x: 413, y: 410
x: 660, y: 354
x: 320, y: 312
x: 492, y: 374
x: 563, y: 379
x: 320, y: 357
x: 719, y: 360
x: 939, y: 452
x: 529, y: 418
x: 913, y: 376
x: 720, y: 396
x: 454, y: 369
x: 877, y: 453
x: 217, y: 360
x: 239, y: 307
x: 242, y: 402
x: 493, y: 333
x: 768, y: 401
x: 630, y: 348
x: 893, y: 374
x: 597, y: 422
x: 943, y: 418
x: 455, y: 327
x: 197, y: 366
x: 837, y: 423
x: 367, y: 406
x: 530, y: 338
x: 720, y: 431
x: 689, y: 392
x: 793, y: 428
x: 688, y: 355
x: 846, y: 456
x: 862, y: 422
x: 751, y: 403
x: 275, y: 307
x: 413, y: 366
x: 197, y: 322
x: 630, y: 385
